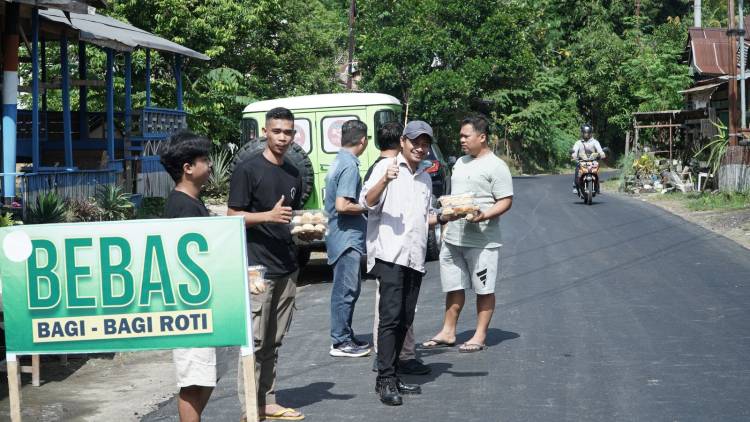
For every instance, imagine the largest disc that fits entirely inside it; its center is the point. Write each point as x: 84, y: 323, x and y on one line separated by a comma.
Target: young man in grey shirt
x: 470, y: 256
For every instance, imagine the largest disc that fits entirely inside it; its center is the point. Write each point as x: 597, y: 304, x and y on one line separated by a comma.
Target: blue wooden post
x: 83, y: 92
x: 178, y: 77
x: 10, y: 99
x: 65, y: 73
x: 43, y: 49
x: 148, y: 77
x: 128, y: 94
x: 35, y: 162
x: 110, y: 105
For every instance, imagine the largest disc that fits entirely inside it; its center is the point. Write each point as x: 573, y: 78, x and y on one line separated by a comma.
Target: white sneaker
x: 349, y: 350
x: 575, y: 191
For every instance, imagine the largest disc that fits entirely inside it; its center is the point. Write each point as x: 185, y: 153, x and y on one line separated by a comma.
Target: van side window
x: 331, y: 132
x: 382, y: 117
x: 302, y: 136
x: 248, y: 130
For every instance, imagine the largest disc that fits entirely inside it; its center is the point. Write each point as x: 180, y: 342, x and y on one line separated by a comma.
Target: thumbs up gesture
x: 392, y: 172
x: 280, y: 214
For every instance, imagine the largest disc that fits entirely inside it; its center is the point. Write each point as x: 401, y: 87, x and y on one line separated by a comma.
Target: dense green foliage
x: 538, y: 68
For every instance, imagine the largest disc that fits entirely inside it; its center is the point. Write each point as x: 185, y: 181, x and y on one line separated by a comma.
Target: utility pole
x: 350, y: 64
x: 743, y: 100
x: 732, y: 100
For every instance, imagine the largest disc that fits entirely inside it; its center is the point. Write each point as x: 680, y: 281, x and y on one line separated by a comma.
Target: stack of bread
x: 311, y: 225
x: 459, y: 205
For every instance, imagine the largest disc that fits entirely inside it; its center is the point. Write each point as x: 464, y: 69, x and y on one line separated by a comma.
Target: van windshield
x: 382, y: 117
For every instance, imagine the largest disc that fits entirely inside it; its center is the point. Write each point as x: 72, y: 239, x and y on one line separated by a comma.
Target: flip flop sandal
x: 437, y: 343
x: 281, y: 415
x: 471, y: 348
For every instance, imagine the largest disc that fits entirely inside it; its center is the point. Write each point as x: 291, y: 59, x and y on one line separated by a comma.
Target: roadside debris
x: 654, y: 175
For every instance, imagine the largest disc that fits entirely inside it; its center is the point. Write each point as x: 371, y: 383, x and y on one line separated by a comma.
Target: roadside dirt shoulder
x: 106, y: 387
x: 733, y: 224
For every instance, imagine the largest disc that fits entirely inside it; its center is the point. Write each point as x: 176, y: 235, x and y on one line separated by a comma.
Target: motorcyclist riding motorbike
x: 583, y: 149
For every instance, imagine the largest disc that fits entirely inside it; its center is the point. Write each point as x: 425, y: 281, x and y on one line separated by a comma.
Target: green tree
x: 259, y: 49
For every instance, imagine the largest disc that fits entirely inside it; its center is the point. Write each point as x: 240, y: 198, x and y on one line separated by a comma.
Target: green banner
x: 125, y: 285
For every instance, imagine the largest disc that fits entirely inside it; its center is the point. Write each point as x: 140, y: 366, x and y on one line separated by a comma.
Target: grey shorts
x: 469, y: 268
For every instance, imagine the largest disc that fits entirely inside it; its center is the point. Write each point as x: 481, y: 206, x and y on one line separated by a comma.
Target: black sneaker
x: 412, y: 367
x: 348, y: 349
x: 360, y: 343
x: 408, y: 388
x: 388, y: 391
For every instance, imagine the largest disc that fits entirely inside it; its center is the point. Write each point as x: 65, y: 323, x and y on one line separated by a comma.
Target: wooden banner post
x: 251, y: 396
x: 14, y: 391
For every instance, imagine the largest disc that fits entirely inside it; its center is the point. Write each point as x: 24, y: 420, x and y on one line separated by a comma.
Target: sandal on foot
x: 436, y: 343
x: 471, y: 348
x: 286, y: 414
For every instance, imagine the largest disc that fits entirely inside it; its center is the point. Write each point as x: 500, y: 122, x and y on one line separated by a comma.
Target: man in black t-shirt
x: 264, y: 189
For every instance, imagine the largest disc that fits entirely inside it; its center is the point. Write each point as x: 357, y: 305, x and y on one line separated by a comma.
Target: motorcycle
x: 587, y: 180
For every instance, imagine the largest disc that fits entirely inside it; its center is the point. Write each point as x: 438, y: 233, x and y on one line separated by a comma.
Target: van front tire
x: 303, y: 257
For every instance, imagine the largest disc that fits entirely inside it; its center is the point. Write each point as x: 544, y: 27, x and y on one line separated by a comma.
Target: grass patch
x: 718, y: 201
x: 707, y: 201
x: 611, y: 184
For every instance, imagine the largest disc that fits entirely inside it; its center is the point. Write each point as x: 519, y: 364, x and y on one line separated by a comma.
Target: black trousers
x: 399, y: 291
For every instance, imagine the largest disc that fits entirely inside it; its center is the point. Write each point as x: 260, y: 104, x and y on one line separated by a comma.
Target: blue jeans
x: 344, y: 295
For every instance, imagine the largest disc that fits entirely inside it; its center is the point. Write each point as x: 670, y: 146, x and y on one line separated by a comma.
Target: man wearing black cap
x: 397, y: 197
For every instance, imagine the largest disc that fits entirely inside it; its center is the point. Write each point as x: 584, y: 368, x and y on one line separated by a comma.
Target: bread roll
x: 308, y: 227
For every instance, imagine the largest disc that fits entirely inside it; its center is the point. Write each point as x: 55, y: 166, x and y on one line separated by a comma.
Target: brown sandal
x: 436, y: 343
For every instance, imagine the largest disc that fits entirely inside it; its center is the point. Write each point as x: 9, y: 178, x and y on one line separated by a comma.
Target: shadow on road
x: 310, y: 394
x: 495, y: 336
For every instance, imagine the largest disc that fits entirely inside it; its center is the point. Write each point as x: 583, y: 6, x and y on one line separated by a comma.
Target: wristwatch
x: 440, y: 220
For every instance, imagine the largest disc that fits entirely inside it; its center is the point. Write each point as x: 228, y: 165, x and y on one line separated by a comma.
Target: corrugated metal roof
x: 709, y: 49
x: 702, y: 88
x: 109, y: 32
x: 78, y: 6
x: 710, y: 56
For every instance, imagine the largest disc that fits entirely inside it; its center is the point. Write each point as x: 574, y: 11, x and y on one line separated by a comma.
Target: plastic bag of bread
x: 458, y: 205
x: 308, y: 225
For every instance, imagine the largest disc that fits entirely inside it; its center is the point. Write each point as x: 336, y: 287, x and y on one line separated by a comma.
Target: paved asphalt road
x: 617, y: 311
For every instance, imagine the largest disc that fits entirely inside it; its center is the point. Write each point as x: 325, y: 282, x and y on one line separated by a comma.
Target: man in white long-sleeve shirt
x: 397, y: 197
x: 583, y: 148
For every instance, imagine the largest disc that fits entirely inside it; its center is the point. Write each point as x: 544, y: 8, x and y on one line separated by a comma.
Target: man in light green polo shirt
x: 470, y: 256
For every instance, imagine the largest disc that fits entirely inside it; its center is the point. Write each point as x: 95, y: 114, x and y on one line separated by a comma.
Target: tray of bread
x: 459, y: 205
x: 308, y: 225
